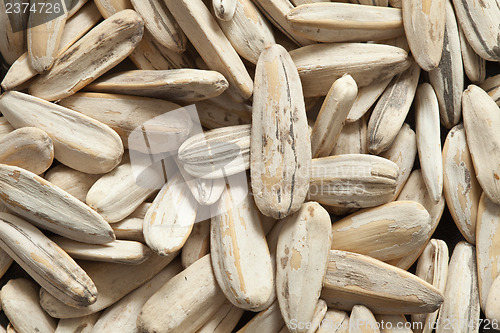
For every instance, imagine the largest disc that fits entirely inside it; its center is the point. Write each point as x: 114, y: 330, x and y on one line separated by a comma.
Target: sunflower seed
x: 432, y: 267
x: 44, y: 36
x: 353, y: 279
x: 491, y: 310
x: 492, y: 86
x: 461, y: 189
x: 448, y: 78
x: 20, y: 302
x: 74, y: 182
x: 384, y: 3
x: 429, y: 140
x: 352, y: 180
x: 29, y: 148
x: 352, y: 139
x: 368, y: 63
x: 122, y: 316
x: 170, y: 218
x: 96, y: 148
x: 161, y: 24
x: 221, y: 111
x: 124, y: 114
x: 461, y: 297
x: 478, y: 20
x: 51, y: 208
x: 77, y: 325
x: 337, y: 22
x: 424, y: 23
x: 218, y: 153
x: 130, y: 228
x: 113, y: 39
x: 181, y: 85
x: 335, y: 321
x: 280, y: 150
x: 239, y: 250
x: 301, y: 259
x: 481, y: 120
x: 118, y: 251
x: 402, y: 151
x: 385, y: 232
x: 391, y: 109
x: 248, y: 30
x: 46, y: 262
x: 474, y: 65
x: 487, y: 250
x: 332, y: 115
x: 206, y: 36
x: 176, y: 308
x: 111, y: 286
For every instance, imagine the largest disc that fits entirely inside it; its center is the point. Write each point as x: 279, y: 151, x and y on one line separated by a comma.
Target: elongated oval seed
x: 424, y: 23
x: 481, y: 121
x: 240, y: 255
x: 96, y: 148
x: 170, y: 218
x: 12, y: 33
x: 51, y: 208
x: 319, y: 65
x: 385, y: 232
x: 429, y: 140
x: 46, y: 262
x: 110, y: 284
x: 29, y: 148
x: 182, y: 85
x: 301, y: 259
x: 338, y: 22
x: 21, y: 305
x: 280, y: 150
x: 80, y: 325
x: 72, y: 181
x: 109, y: 43
x: 332, y: 116
x: 352, y: 180
x: 357, y: 279
x: 461, y: 189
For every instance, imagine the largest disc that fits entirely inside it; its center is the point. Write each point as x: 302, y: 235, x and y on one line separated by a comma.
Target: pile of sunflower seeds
x: 249, y: 165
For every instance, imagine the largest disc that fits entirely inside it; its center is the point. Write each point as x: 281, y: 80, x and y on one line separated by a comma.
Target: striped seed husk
x: 80, y: 325
x: 481, y: 121
x: 391, y: 109
x: 461, y: 296
x: 20, y: 303
x: 492, y: 86
x: 222, y: 111
x: 301, y: 259
x: 339, y: 22
x: 461, y: 189
x: 51, y: 208
x: 72, y: 181
x: 353, y: 279
x: 46, y: 262
x: 352, y: 180
x: 224, y: 9
x: 332, y: 116
x: 197, y: 245
x: 181, y: 85
x: 424, y: 25
x: 225, y: 319
x: 96, y: 148
x: 385, y: 232
x: 448, y: 78
x: 280, y: 149
x: 12, y: 32
x: 217, y: 153
x: 429, y: 139
x: 366, y: 63
x: 366, y: 98
x: 474, y: 65
x: 113, y: 40
x: 268, y: 320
